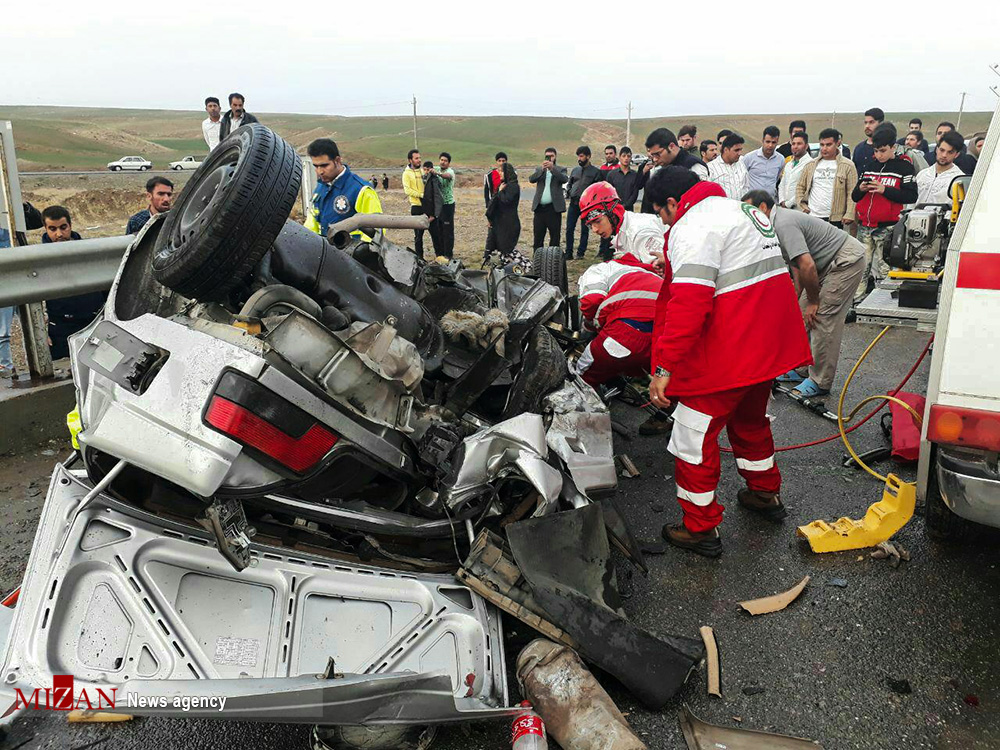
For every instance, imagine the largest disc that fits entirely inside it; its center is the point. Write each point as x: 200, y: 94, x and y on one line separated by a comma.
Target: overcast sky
x: 580, y: 59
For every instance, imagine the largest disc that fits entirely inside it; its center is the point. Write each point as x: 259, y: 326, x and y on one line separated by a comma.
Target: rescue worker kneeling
x: 618, y: 297
x: 339, y: 192
x: 727, y: 323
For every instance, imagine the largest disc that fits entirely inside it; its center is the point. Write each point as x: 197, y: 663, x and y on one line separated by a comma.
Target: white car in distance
x: 136, y: 163
x: 188, y: 162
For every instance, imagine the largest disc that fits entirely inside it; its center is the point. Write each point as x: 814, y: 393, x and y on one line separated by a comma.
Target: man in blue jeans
x: 581, y: 178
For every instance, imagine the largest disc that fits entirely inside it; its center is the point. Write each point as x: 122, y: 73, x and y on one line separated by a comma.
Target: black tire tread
x: 210, y: 263
x: 543, y: 368
x: 940, y: 523
x: 549, y: 264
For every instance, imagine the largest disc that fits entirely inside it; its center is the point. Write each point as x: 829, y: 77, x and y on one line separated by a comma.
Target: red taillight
x: 972, y: 428
x: 11, y: 599
x: 297, y: 453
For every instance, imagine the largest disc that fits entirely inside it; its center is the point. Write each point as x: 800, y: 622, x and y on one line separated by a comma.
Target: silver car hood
x: 121, y: 598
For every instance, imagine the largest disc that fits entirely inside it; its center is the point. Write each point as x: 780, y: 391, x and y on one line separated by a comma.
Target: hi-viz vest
x: 344, y: 197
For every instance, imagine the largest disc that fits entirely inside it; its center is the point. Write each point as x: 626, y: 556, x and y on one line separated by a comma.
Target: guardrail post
x: 34, y: 331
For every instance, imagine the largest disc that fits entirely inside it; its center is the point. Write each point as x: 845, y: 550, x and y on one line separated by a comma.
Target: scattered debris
x: 971, y: 700
x: 840, y: 583
x: 657, y: 507
x: 882, y: 520
x: 626, y: 467
x: 753, y: 689
x: 700, y: 735
x: 774, y: 603
x: 95, y: 717
x: 893, y: 551
x: 712, y: 660
x: 653, y: 547
x: 577, y: 711
x: 899, y: 686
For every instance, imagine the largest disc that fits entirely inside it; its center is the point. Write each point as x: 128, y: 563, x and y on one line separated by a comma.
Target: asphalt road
x: 819, y: 669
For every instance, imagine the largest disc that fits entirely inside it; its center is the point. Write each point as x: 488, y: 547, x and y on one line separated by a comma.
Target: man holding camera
x: 549, y: 203
x: 887, y: 183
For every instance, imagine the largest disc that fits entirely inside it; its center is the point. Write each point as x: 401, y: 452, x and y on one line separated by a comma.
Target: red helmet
x: 601, y: 199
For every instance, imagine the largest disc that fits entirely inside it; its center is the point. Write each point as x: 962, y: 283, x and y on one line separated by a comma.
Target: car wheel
x: 177, y: 168
x: 116, y: 168
x: 143, y: 168
x: 549, y: 264
x: 228, y: 214
x: 940, y: 523
x: 543, y: 369
x: 376, y: 737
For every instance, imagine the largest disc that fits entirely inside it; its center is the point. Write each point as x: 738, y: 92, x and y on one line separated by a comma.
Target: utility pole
x: 415, y: 121
x: 833, y: 119
x: 628, y: 127
x: 961, y: 107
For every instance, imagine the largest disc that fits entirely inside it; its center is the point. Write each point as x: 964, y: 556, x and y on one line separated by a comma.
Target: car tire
x: 177, y: 168
x: 940, y: 523
x: 375, y: 737
x: 549, y: 264
x: 143, y: 168
x: 543, y: 369
x: 116, y: 168
x: 228, y: 214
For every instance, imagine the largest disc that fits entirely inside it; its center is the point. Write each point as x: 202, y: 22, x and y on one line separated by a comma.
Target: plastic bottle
x: 527, y: 732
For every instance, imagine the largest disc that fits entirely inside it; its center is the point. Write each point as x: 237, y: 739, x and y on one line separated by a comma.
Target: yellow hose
x: 840, y: 407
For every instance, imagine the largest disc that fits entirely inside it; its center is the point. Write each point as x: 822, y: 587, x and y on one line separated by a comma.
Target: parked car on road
x: 136, y: 163
x: 188, y: 162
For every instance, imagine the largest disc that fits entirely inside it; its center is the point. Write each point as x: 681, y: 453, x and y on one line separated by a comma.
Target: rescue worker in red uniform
x: 727, y: 323
x: 617, y: 297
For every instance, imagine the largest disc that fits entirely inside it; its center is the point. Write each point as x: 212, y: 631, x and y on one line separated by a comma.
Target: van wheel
x: 228, y: 214
x: 940, y: 523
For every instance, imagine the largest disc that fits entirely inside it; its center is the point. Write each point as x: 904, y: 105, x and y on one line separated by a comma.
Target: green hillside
x: 88, y: 138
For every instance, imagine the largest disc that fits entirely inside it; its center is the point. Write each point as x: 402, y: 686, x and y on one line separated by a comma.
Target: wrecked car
x: 288, y: 446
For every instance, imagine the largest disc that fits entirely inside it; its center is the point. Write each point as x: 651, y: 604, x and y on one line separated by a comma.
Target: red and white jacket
x: 727, y: 314
x: 620, y: 288
x: 642, y: 235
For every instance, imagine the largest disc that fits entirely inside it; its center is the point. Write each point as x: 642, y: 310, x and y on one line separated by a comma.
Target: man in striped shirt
x: 728, y: 169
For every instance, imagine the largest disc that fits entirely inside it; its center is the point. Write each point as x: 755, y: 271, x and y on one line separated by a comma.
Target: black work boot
x: 707, y: 543
x: 766, y: 504
x: 658, y: 424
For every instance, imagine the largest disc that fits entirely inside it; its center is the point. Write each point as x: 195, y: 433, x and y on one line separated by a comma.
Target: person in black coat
x: 432, y: 204
x: 505, y: 224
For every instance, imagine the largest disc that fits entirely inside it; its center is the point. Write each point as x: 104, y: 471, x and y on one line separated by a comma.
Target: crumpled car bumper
x: 121, y: 598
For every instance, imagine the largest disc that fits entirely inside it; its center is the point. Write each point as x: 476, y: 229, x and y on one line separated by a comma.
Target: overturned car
x: 288, y: 447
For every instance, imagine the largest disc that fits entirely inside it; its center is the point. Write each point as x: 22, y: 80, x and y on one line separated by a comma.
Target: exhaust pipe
x: 377, y: 221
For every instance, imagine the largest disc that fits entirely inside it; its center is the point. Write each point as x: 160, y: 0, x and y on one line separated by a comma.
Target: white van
x: 959, y: 477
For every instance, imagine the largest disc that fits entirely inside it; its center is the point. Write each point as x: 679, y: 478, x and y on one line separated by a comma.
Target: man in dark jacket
x: 159, y: 194
x: 67, y: 315
x: 581, y: 178
x: 549, y: 203
x: 885, y: 185
x: 236, y: 117
x: 663, y: 150
x: 432, y: 204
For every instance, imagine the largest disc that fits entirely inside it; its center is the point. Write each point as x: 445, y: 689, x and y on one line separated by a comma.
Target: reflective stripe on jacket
x: 727, y: 315
x: 341, y: 199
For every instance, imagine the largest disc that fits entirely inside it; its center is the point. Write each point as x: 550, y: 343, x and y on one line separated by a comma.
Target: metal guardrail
x: 34, y: 273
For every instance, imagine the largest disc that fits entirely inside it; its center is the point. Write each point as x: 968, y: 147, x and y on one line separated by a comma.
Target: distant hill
x: 88, y: 138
